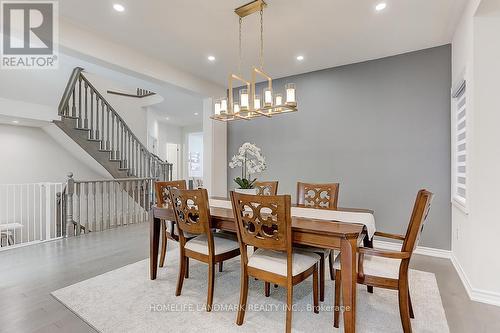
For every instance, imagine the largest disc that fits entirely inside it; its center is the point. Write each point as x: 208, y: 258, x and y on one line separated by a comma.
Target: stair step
x: 115, y: 160
x: 70, y: 117
x: 82, y: 129
x: 95, y: 140
x: 105, y: 150
x: 124, y: 169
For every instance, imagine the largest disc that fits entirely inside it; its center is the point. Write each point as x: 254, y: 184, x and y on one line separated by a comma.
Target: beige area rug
x: 126, y: 300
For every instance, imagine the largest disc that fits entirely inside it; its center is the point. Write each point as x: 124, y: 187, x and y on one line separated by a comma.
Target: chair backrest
x: 322, y: 196
x: 192, y: 211
x: 162, y: 193
x: 419, y: 215
x: 267, y: 188
x: 263, y: 221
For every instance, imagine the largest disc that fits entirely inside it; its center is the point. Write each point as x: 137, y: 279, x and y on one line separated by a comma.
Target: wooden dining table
x: 335, y: 235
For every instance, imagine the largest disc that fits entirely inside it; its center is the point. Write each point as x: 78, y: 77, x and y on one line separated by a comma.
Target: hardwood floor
x: 29, y: 274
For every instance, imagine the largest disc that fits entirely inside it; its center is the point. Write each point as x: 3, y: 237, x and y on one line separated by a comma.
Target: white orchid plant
x: 251, y: 161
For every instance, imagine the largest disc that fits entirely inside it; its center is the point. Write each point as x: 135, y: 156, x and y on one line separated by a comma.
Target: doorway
x: 173, y: 156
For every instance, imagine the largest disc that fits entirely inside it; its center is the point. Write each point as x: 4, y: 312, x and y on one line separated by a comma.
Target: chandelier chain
x: 239, y: 50
x: 261, y: 38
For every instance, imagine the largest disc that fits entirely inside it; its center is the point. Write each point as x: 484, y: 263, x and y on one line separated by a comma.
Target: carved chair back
x: 192, y: 211
x: 263, y: 222
x: 321, y: 196
x: 162, y: 193
x: 267, y: 188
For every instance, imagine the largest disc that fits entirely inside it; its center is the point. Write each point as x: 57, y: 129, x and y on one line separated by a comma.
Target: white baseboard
x: 475, y: 294
x: 426, y: 251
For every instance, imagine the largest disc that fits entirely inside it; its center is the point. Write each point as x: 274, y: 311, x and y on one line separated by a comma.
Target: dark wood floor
x: 29, y: 274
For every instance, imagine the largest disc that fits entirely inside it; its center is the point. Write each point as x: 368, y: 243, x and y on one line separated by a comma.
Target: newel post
x: 70, y: 188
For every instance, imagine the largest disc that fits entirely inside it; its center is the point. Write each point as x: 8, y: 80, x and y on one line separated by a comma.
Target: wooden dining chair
x: 169, y: 229
x: 192, y: 214
x: 265, y: 222
x: 319, y: 196
x: 389, y: 269
x: 267, y: 188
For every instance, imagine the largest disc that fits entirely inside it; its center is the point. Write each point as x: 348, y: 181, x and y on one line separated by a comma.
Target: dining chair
x: 319, y: 196
x: 169, y: 229
x: 389, y: 269
x: 265, y: 222
x: 192, y: 214
x: 267, y: 188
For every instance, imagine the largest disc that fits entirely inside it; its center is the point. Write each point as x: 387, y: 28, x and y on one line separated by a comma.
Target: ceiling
x: 327, y: 33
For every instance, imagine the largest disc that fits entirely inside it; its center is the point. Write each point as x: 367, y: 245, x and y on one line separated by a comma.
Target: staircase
x: 95, y: 205
x: 88, y: 119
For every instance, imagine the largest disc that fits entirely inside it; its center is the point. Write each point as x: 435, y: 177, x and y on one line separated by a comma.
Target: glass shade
x: 278, y: 99
x: 256, y: 102
x: 217, y: 107
x: 290, y: 94
x: 236, y: 108
x: 268, y: 97
x: 244, y: 99
x: 223, y: 106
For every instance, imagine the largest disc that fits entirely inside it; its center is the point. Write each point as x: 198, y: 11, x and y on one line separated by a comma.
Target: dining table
x: 330, y: 234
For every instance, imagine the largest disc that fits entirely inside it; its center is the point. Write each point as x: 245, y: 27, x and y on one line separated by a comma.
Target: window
x: 459, y: 133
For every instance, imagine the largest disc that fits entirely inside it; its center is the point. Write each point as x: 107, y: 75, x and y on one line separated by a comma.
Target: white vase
x: 253, y: 191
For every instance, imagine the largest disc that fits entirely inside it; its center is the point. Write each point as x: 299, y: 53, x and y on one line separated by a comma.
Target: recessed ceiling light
x: 167, y: 118
x: 380, y: 6
x: 300, y: 58
x: 118, y: 7
x: 15, y: 121
x: 211, y: 58
x: 196, y: 113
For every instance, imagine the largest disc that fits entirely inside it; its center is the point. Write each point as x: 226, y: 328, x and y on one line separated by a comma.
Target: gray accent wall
x: 380, y: 128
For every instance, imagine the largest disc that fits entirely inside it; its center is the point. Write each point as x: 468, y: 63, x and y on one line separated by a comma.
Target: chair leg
x: 412, y: 315
x: 322, y: 278
x: 187, y: 268
x: 336, y: 300
x: 211, y: 276
x: 267, y: 289
x: 404, y: 306
x: 220, y: 266
x: 163, y: 243
x: 289, y: 303
x: 315, y: 289
x: 243, y: 297
x: 330, y: 263
x: 182, y: 269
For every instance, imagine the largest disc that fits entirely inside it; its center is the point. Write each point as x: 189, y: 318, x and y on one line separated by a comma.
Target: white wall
x: 476, y: 50
x: 74, y: 39
x: 29, y: 155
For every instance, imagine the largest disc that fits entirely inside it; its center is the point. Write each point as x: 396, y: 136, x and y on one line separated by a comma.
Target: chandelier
x: 249, y: 104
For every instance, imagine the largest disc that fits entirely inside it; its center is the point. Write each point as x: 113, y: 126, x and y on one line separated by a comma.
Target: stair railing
x: 96, y: 205
x: 83, y: 102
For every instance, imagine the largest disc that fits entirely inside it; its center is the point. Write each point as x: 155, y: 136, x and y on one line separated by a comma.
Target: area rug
x: 126, y: 300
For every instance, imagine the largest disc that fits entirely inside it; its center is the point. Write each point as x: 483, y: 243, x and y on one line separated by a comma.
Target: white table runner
x: 366, y: 219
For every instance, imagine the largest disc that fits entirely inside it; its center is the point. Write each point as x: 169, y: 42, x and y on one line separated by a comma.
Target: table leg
x: 349, y: 278
x: 154, y: 242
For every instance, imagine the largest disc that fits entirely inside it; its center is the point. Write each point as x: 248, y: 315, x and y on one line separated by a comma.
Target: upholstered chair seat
x: 276, y: 261
x: 377, y: 266
x: 223, y: 243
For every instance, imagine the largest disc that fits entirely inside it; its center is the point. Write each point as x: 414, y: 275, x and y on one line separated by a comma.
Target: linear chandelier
x: 250, y: 104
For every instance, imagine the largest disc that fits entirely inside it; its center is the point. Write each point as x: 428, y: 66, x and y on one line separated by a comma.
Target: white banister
x: 29, y: 213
